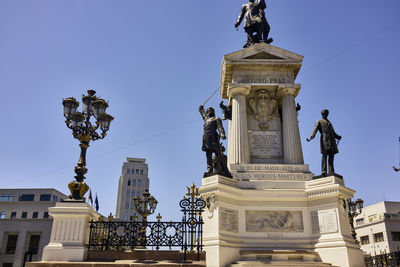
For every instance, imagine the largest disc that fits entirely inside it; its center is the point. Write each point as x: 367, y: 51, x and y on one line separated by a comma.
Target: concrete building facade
x: 378, y: 227
x: 25, y: 224
x: 132, y: 182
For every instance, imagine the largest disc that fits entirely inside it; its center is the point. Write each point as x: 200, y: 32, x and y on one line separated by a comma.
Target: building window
x: 141, y: 172
x: 35, y: 215
x: 133, y: 193
x: 127, y: 204
x: 24, y: 215
x: 138, y: 193
x: 6, y: 198
x: 26, y: 197
x: 55, y: 198
x: 11, y: 244
x: 378, y: 237
x: 364, y: 240
x: 7, y: 264
x: 134, y: 182
x: 128, y: 171
x: 2, y: 214
x: 139, y: 183
x: 45, y: 197
x: 132, y: 204
x: 129, y: 182
x: 128, y: 193
x: 131, y: 217
x: 45, y: 215
x: 13, y: 215
x: 396, y: 236
x: 360, y: 221
x: 125, y: 217
x: 34, y: 244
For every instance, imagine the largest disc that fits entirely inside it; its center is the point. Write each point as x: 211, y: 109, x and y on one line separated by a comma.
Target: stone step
x: 121, y: 263
x: 279, y: 258
x: 256, y: 263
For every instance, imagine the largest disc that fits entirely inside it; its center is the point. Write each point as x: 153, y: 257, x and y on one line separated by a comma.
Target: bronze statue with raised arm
x: 213, y: 131
x: 327, y: 142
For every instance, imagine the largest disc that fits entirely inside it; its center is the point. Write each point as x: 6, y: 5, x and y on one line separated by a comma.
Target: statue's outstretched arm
x: 314, y: 132
x: 202, y: 112
x: 241, y: 16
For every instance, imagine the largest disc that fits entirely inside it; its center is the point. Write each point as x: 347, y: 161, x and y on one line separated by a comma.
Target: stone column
x: 238, y: 142
x: 292, y: 151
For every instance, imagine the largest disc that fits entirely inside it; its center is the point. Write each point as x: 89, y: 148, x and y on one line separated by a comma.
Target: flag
x: 90, y: 197
x: 96, y: 203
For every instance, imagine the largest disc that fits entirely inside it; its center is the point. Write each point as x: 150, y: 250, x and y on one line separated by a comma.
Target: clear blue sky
x: 156, y: 61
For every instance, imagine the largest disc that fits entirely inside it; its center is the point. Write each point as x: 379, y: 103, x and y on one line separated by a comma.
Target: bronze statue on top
x: 255, y: 23
x: 328, y: 142
x: 213, y: 131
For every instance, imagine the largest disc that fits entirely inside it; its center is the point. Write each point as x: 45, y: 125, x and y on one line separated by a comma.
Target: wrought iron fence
x: 187, y: 235
x: 383, y: 260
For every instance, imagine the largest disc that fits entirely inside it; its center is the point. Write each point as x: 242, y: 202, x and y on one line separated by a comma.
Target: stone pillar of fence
x: 70, y: 231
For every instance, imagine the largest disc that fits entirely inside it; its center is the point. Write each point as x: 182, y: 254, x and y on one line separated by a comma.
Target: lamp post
x: 352, y: 207
x: 145, y: 207
x: 85, y: 131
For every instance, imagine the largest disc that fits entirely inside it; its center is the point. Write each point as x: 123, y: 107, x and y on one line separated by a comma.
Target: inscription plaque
x: 273, y: 176
x: 327, y: 221
x: 274, y: 221
x: 274, y: 75
x: 270, y: 167
x: 265, y: 143
x: 314, y: 222
x: 229, y: 220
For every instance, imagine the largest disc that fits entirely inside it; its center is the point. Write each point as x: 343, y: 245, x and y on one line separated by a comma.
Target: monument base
x: 297, y: 221
x: 69, y: 234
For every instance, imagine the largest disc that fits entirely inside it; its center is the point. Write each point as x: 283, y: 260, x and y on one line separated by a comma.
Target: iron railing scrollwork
x: 192, y: 207
x: 187, y: 235
x: 390, y: 259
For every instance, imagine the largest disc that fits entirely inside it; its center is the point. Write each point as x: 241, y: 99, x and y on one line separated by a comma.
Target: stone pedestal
x: 70, y: 231
x: 302, y: 217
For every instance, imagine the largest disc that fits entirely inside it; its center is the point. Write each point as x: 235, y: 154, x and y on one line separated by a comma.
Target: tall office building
x: 133, y: 182
x: 25, y: 224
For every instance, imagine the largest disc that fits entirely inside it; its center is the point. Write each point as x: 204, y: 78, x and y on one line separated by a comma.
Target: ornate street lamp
x: 85, y: 131
x: 145, y: 206
x: 352, y: 207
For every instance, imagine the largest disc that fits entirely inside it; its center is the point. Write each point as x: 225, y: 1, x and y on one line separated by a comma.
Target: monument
x: 272, y: 212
